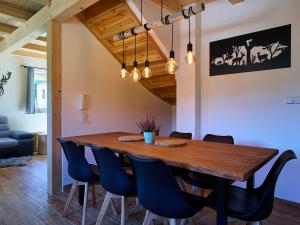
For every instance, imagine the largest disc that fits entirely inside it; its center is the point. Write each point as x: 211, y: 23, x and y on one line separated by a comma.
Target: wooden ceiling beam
x: 35, y: 26
x: 40, y: 38
x: 5, y: 28
x: 170, y: 5
x: 19, y: 14
x: 35, y: 47
x: 30, y: 54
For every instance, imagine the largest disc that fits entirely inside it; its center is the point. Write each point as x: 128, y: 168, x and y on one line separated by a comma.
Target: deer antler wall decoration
x: 3, y: 81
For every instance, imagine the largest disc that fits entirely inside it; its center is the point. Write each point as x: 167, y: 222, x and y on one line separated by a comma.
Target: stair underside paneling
x: 106, y: 18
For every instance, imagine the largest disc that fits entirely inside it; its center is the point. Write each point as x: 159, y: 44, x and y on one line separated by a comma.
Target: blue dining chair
x: 204, y: 181
x: 159, y: 192
x: 177, y: 171
x: 254, y: 205
x: 81, y: 171
x: 114, y: 180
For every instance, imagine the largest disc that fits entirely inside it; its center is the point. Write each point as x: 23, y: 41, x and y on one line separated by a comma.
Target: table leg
x: 81, y: 187
x: 221, y: 201
x: 251, y: 183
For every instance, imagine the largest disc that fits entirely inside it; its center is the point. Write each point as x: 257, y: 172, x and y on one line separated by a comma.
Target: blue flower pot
x: 149, y: 137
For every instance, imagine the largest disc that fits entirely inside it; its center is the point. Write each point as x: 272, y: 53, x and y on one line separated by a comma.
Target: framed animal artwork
x: 262, y: 50
x: 3, y: 81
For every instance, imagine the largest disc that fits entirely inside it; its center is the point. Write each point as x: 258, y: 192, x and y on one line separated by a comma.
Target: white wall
x: 113, y: 104
x: 12, y: 103
x: 186, y: 77
x: 250, y: 106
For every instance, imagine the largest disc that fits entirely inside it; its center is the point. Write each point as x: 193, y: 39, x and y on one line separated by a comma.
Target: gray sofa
x: 14, y: 143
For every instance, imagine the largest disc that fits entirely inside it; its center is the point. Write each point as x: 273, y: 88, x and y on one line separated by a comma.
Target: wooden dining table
x: 224, y: 161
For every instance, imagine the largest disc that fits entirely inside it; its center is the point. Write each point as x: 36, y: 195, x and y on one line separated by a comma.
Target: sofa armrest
x: 19, y: 135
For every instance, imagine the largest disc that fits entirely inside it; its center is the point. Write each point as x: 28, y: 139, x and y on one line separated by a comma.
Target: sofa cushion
x: 8, y: 143
x: 21, y: 135
x: 4, y: 134
x: 3, y: 120
x: 4, y: 127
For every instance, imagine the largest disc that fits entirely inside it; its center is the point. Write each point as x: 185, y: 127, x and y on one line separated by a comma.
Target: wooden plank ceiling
x: 14, y: 13
x: 106, y: 18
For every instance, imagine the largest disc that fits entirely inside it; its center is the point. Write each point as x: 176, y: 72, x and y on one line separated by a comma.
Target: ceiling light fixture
x: 171, y: 65
x: 190, y: 56
x: 147, y: 72
x: 124, y: 72
x: 135, y: 73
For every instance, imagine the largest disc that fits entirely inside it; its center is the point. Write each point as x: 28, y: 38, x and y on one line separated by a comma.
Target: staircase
x: 106, y: 18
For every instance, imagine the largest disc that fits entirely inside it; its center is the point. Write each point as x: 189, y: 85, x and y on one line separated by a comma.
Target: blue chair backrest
x: 158, y: 190
x: 112, y: 174
x: 227, y: 139
x: 78, y: 167
x: 176, y: 134
x: 267, y: 189
x: 4, y: 128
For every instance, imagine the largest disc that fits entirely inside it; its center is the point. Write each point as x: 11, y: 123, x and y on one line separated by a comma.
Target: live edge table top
x: 234, y: 162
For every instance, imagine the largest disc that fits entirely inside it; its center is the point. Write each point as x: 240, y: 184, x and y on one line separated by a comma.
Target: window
x: 40, y: 90
x: 36, y: 100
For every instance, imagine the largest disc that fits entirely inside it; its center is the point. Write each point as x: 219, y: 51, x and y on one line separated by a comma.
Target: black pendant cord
x: 147, y: 44
x: 189, y: 29
x: 172, y: 38
x: 161, y: 10
x: 123, y: 52
x: 134, y: 48
x: 141, y: 12
x: 189, y: 46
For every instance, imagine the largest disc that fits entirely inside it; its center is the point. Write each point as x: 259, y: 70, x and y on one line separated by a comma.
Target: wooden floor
x: 24, y: 201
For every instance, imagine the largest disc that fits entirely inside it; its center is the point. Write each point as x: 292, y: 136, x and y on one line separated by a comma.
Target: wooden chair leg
x: 147, y: 219
x: 181, y: 184
x: 113, y: 207
x: 255, y: 223
x: 192, y: 221
x: 124, y: 207
x: 93, y: 194
x: 195, y: 189
x: 104, y: 207
x: 69, y: 199
x: 172, y: 221
x: 137, y: 201
x: 86, y: 192
x: 183, y: 221
x: 202, y: 192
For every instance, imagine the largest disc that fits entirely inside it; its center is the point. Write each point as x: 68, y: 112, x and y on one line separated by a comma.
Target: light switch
x: 289, y: 100
x: 296, y: 99
x: 292, y: 100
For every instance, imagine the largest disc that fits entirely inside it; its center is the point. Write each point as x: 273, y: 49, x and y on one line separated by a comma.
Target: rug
x: 15, y: 161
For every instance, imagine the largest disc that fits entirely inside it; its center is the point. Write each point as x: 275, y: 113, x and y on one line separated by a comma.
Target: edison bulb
x: 124, y: 73
x: 171, y: 66
x: 190, y: 57
x: 147, y: 72
x: 135, y: 74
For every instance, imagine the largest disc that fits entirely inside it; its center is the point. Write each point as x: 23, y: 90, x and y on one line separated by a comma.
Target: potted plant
x: 149, y: 128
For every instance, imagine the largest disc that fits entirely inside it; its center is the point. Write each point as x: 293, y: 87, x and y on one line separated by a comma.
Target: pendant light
x: 147, y: 72
x: 171, y: 65
x: 190, y: 56
x: 135, y: 73
x: 124, y: 72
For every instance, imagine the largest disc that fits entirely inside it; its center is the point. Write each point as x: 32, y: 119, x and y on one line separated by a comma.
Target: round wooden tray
x: 170, y: 143
x: 131, y: 138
